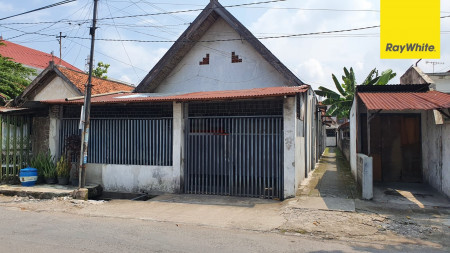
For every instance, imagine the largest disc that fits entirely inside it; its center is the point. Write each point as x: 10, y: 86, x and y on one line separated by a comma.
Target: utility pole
x: 87, y: 106
x: 59, y: 38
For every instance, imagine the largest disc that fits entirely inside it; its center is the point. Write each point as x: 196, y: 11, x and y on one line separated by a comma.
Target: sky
x: 312, y: 58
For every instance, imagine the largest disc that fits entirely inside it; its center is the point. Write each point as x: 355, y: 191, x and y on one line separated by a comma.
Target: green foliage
x: 341, y: 103
x: 14, y: 77
x: 45, y: 164
x: 63, y: 167
x: 101, y: 70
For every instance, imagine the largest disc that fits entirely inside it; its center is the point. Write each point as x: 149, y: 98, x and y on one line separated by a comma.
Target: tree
x: 14, y: 77
x: 341, y: 103
x: 101, y: 70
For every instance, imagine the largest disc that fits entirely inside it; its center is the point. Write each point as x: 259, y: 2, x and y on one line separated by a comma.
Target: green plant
x: 63, y: 167
x: 341, y: 103
x: 45, y: 164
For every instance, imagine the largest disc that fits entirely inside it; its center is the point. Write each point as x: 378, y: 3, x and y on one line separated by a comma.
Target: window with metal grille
x: 133, y: 136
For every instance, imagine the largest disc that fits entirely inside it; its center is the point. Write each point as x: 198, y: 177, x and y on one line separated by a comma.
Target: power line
x: 191, y: 10
x: 42, y: 8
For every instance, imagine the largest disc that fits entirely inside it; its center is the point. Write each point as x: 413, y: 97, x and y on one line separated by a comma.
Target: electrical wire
x: 41, y: 8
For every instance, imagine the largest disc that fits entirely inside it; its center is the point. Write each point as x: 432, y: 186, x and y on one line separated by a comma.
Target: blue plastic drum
x: 28, y: 176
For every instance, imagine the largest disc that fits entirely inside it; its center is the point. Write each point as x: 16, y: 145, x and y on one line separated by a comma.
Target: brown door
x: 396, y: 147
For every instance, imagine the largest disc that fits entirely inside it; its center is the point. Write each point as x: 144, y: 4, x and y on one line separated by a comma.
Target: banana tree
x: 340, y: 102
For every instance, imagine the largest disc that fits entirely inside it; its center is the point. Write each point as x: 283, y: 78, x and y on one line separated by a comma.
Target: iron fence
x: 125, y: 141
x: 238, y: 156
x: 15, y: 145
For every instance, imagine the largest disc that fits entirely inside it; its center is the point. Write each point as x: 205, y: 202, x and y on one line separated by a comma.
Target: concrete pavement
x: 330, y: 186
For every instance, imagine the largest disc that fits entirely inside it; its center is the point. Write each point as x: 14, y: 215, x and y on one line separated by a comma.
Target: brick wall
x: 40, y: 134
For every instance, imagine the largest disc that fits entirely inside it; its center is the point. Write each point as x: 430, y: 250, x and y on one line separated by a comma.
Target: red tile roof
x: 195, y: 96
x: 398, y: 101
x: 99, y: 85
x: 30, y: 57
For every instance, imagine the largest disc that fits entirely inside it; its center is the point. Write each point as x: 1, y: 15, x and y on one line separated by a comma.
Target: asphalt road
x: 28, y: 231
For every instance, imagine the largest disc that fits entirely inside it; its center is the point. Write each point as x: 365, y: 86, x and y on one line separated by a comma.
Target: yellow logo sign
x: 410, y: 29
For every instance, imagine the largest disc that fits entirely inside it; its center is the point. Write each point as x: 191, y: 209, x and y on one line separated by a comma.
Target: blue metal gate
x: 235, y: 155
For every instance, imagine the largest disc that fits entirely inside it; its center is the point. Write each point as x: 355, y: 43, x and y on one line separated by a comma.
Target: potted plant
x: 37, y: 161
x: 49, y: 169
x: 63, y: 170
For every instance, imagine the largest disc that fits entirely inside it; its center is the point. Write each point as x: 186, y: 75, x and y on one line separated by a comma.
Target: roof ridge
x: 199, y: 27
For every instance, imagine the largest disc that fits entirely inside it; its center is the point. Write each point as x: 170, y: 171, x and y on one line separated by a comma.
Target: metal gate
x: 238, y: 156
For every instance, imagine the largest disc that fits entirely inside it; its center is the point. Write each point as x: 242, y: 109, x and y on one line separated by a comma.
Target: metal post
x: 87, y: 106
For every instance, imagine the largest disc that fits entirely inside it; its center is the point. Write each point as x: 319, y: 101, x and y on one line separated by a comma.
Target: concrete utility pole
x: 87, y: 106
x: 59, y: 38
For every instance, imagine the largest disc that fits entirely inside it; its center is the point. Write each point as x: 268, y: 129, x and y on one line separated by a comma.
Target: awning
x: 400, y: 101
x: 194, y: 96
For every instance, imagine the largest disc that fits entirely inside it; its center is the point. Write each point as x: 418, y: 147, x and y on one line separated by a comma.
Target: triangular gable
x: 44, y: 78
x: 72, y: 82
x: 212, y: 12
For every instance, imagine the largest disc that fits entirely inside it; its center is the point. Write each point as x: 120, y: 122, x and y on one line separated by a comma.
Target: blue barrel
x: 28, y: 176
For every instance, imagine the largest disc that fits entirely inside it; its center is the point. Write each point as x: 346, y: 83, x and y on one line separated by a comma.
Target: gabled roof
x: 75, y: 79
x: 213, y: 11
x: 99, y: 85
x: 30, y: 57
x: 402, y: 97
x: 194, y: 96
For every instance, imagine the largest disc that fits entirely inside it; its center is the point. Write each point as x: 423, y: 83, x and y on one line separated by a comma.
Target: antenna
x: 434, y: 63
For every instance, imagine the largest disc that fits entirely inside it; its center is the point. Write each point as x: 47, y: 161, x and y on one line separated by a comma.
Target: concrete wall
x: 414, y: 76
x: 289, y: 132
x: 364, y: 177
x: 178, y: 145
x: 221, y: 74
x: 134, y: 178
x: 343, y: 143
x: 353, y: 137
x: 55, y: 89
x: 436, y: 153
x: 300, y: 165
x: 441, y: 81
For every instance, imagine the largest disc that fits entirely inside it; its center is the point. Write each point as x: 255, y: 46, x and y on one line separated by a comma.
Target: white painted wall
x: 353, y: 136
x: 289, y: 129
x: 300, y: 165
x: 178, y: 145
x: 442, y: 83
x: 55, y: 89
x: 133, y: 178
x: 221, y: 74
x: 436, y: 153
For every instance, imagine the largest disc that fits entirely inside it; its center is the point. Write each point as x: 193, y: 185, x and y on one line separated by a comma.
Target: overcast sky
x: 312, y: 58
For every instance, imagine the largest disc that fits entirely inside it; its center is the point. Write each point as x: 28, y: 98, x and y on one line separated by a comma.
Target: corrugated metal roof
x: 399, y: 101
x: 195, y: 96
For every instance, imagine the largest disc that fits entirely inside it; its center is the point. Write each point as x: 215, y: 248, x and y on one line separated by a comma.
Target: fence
x: 139, y: 141
x: 15, y: 146
x: 239, y: 156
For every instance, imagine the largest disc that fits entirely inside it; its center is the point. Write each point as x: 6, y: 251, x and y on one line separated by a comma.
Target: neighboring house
x: 30, y: 57
x: 405, y: 130
x: 28, y: 126
x: 218, y: 114
x: 330, y: 131
x: 439, y: 81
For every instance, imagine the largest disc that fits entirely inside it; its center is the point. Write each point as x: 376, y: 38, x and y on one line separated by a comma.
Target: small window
x: 331, y: 132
